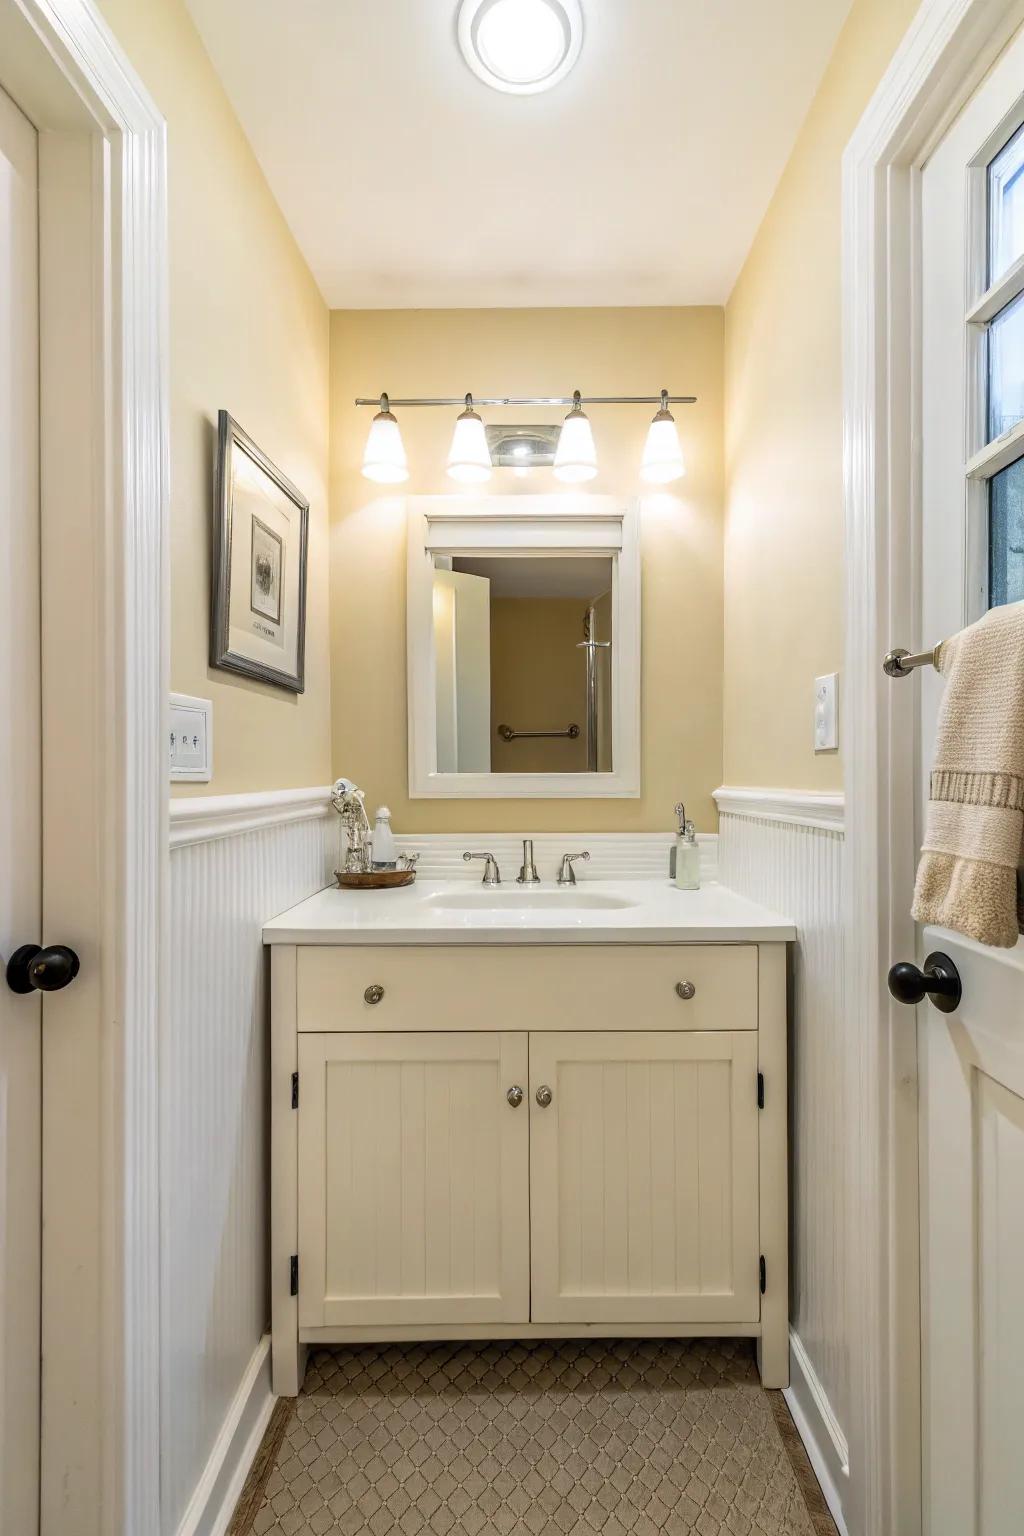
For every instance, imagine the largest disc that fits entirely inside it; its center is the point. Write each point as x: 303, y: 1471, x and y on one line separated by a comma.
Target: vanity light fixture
x: 469, y: 458
x: 384, y: 455
x: 663, y: 453
x: 574, y: 459
x: 576, y: 456
x: 520, y: 46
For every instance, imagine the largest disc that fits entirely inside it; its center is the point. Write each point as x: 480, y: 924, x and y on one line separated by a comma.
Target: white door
x: 20, y: 845
x: 462, y: 663
x: 644, y: 1177
x: 972, y: 1059
x: 413, y: 1179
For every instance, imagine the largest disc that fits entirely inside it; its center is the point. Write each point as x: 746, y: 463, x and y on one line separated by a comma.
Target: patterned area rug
x: 581, y: 1438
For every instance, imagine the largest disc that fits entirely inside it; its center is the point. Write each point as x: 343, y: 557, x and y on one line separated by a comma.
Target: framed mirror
x: 524, y: 647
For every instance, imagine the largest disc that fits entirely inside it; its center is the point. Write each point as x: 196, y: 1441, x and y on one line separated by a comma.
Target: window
x: 997, y: 322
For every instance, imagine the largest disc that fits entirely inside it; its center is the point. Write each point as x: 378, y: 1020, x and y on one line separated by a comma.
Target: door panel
x: 20, y: 845
x: 644, y: 1177
x: 973, y: 1244
x: 413, y: 1179
x: 972, y: 1061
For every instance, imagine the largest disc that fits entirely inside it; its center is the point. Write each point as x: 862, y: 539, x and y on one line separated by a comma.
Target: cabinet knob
x: 373, y: 994
x: 544, y: 1095
x: 686, y: 990
x: 515, y: 1096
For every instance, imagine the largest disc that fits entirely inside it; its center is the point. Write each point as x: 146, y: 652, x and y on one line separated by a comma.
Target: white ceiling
x: 640, y: 179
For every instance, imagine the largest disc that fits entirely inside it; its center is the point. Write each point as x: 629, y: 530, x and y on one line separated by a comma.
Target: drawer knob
x: 686, y: 990
x: 544, y: 1095
x: 515, y: 1096
x: 373, y: 994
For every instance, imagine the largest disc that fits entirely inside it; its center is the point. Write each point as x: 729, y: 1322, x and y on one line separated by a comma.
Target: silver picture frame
x: 270, y: 596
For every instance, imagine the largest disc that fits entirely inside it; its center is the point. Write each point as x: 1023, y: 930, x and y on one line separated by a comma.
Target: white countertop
x: 465, y: 912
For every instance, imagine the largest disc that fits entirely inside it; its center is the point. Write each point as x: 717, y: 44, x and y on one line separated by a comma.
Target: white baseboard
x: 819, y: 1429
x: 213, y: 1503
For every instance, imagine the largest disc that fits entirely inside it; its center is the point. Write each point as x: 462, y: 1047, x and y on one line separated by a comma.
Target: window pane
x: 1006, y: 207
x: 1006, y: 536
x: 1006, y: 369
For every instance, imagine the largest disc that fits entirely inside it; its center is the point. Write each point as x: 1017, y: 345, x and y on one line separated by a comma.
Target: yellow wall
x: 531, y: 352
x: 783, y: 411
x: 249, y: 332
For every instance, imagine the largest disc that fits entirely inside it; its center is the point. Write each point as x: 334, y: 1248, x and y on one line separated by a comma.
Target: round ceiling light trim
x: 520, y: 46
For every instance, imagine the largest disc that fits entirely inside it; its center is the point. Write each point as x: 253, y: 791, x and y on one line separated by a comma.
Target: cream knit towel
x: 974, y: 834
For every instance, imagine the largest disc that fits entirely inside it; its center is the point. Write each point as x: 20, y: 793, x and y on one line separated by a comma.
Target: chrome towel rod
x: 508, y: 734
x: 900, y: 663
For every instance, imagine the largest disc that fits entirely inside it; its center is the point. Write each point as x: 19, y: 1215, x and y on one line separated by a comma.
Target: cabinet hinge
x: 760, y: 1090
x: 294, y: 1274
x: 295, y: 1090
x: 762, y: 1266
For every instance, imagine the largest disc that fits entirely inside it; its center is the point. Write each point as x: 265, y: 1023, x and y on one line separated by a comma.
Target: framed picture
x: 258, y: 617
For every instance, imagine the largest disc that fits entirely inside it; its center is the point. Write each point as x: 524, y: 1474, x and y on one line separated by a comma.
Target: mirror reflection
x: 523, y: 663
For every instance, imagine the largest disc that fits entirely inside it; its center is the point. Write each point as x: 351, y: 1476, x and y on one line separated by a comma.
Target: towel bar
x: 900, y: 663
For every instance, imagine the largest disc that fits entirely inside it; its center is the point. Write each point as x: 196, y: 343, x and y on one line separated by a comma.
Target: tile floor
x: 582, y: 1438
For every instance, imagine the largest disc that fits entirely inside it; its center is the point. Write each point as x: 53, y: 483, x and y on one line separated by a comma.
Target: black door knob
x: 33, y: 969
x: 940, y: 980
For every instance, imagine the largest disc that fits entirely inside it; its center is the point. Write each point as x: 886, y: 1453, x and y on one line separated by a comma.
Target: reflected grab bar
x: 508, y: 734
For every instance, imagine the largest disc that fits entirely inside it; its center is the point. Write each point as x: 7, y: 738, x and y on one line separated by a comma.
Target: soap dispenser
x: 385, y: 854
x: 685, y: 861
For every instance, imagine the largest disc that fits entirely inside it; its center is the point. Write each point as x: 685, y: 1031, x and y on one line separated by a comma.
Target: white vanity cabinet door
x: 644, y: 1177
x: 413, y: 1179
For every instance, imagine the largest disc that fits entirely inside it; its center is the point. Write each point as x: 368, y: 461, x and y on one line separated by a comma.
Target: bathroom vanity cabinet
x: 528, y: 1140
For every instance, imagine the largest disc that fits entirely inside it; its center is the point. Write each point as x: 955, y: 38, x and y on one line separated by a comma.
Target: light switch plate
x: 826, y: 713
x: 190, y: 746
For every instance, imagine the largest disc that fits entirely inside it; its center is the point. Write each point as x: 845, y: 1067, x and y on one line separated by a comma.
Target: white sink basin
x: 495, y: 899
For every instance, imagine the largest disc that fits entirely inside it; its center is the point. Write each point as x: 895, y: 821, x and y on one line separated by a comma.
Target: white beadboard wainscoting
x: 236, y: 860
x: 785, y: 848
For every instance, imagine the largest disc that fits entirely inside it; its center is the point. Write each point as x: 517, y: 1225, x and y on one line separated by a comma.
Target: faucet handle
x: 492, y: 874
x: 567, y: 875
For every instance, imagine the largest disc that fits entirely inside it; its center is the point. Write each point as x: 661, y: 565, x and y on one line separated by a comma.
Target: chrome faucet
x: 566, y: 874
x: 492, y: 874
x: 528, y: 873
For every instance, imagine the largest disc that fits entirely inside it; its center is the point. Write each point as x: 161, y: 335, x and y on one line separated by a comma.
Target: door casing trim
x: 948, y: 48
x: 103, y: 142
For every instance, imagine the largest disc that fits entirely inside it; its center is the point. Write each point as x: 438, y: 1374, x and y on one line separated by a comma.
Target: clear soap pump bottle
x: 687, y: 853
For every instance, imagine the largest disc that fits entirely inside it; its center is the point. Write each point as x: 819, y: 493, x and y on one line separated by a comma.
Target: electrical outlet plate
x: 190, y: 743
x: 826, y: 713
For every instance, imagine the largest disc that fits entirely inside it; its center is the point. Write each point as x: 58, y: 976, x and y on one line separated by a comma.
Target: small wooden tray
x: 375, y: 880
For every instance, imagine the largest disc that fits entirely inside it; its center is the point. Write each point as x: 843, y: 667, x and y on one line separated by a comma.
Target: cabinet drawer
x: 530, y: 987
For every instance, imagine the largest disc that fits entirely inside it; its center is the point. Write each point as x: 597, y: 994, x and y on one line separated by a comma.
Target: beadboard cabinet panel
x: 413, y: 1179
x: 644, y: 1177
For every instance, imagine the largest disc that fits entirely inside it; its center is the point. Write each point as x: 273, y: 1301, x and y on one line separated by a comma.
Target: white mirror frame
x: 522, y: 525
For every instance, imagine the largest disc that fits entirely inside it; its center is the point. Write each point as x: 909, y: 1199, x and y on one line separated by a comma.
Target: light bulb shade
x: 384, y: 455
x: 575, y: 456
x: 469, y: 458
x: 663, y: 453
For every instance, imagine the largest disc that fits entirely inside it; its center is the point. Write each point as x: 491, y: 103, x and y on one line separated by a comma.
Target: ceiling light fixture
x: 663, y: 453
x: 469, y: 458
x: 520, y: 46
x: 576, y: 456
x: 384, y: 455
